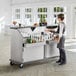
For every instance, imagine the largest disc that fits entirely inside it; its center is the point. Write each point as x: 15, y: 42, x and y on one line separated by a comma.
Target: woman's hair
x: 61, y: 16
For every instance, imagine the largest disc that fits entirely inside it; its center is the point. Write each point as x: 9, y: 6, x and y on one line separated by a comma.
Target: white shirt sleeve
x: 61, y: 29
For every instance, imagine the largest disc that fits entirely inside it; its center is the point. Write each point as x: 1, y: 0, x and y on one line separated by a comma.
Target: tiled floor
x: 48, y: 68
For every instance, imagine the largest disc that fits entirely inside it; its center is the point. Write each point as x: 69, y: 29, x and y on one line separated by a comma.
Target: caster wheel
x: 11, y: 63
x: 21, y: 65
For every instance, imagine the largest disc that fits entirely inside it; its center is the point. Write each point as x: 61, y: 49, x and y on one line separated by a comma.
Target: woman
x: 60, y: 39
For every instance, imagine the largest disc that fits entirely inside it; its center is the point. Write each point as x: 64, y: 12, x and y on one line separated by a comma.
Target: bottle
x: 30, y: 38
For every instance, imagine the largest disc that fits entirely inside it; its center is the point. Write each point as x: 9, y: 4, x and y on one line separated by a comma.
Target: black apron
x: 62, y: 39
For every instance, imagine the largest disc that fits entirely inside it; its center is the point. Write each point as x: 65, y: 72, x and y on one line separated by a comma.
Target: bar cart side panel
x: 51, y: 49
x: 16, y: 46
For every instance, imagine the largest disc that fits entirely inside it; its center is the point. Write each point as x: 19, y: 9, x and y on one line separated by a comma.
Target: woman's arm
x: 50, y: 30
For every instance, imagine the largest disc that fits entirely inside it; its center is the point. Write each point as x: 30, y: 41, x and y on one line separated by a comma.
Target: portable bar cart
x: 23, y: 52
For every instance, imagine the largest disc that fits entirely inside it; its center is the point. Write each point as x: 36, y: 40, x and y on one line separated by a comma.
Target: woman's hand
x: 57, y: 38
x: 47, y: 30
